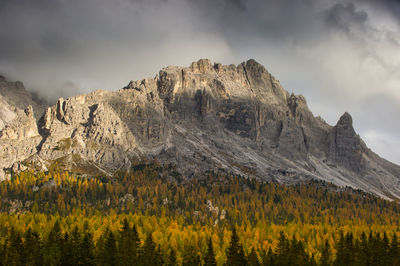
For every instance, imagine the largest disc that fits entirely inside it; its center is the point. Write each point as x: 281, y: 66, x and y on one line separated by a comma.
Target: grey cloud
x: 345, y: 16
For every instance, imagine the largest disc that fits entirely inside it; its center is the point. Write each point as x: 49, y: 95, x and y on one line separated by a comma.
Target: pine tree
x: 252, y: 259
x: 235, y: 254
x: 394, y: 251
x: 282, y: 250
x: 326, y: 254
x: 86, y: 255
x: 190, y: 256
x: 53, y: 246
x: 107, y: 249
x: 33, y: 247
x: 172, y: 258
x: 362, y: 256
x: 159, y: 259
x: 209, y: 259
x: 15, y: 253
x: 268, y: 259
x: 128, y: 244
x: 67, y: 256
x: 148, y: 254
x: 385, y: 249
x: 345, y: 250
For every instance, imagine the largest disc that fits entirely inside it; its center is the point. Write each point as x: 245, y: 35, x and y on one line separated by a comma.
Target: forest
x: 153, y: 215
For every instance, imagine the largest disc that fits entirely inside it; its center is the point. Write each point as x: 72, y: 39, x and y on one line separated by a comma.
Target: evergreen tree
x: 282, y: 250
x: 385, y: 249
x: 2, y: 253
x: 252, y: 259
x: 53, y: 247
x: 128, y: 244
x: 362, y: 256
x: 107, y: 249
x: 235, y: 254
x: 159, y: 259
x: 394, y: 251
x: 190, y: 256
x: 209, y: 259
x: 268, y: 259
x: 86, y: 254
x: 148, y: 255
x: 67, y: 256
x: 15, y: 253
x: 326, y: 255
x: 171, y: 258
x: 33, y: 247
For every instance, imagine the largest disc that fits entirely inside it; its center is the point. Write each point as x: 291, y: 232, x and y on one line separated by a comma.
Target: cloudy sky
x: 342, y: 55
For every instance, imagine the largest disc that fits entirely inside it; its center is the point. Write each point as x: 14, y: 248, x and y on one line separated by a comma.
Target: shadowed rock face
x: 205, y: 116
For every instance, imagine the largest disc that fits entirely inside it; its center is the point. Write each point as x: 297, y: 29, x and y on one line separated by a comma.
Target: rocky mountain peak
x: 206, y: 116
x: 202, y: 66
x: 345, y: 121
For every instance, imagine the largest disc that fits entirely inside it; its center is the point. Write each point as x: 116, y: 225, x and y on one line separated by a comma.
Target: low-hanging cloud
x: 341, y: 54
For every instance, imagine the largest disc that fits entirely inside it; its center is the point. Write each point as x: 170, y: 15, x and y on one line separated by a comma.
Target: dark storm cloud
x: 341, y: 54
x: 344, y: 16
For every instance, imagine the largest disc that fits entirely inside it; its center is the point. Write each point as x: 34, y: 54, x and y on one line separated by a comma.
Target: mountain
x: 202, y: 117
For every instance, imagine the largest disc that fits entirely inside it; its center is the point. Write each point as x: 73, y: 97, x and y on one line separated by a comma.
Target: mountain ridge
x: 202, y: 117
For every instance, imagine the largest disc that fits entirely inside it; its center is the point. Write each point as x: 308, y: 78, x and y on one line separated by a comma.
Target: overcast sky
x: 341, y: 55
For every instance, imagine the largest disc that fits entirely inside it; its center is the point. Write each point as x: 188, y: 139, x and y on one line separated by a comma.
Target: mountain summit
x: 202, y: 117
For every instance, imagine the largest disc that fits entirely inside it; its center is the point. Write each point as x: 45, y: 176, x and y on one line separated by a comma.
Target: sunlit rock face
x: 203, y: 117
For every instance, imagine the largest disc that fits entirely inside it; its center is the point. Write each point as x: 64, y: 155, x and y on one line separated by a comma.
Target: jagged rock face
x: 205, y: 116
x: 14, y: 98
x: 346, y: 147
x: 19, y: 135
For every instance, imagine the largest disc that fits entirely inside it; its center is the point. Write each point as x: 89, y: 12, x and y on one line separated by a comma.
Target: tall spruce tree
x: 268, y: 258
x: 282, y: 250
x: 171, y: 261
x: 190, y: 256
x: 107, y: 249
x: 67, y: 256
x: 33, y: 246
x: 53, y: 246
x: 15, y: 252
x: 148, y: 253
x: 128, y: 244
x: 326, y: 254
x: 86, y: 250
x: 235, y: 253
x: 394, y: 251
x: 209, y: 259
x: 252, y: 258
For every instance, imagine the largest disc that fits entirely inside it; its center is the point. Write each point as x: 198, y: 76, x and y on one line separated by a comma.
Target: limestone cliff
x: 205, y: 116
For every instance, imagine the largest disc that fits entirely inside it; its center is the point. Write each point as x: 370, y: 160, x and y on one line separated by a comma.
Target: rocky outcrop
x: 345, y: 147
x: 205, y: 116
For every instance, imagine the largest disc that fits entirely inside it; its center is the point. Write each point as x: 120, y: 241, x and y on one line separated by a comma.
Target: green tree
x: 209, y: 259
x: 326, y: 255
x: 53, y: 246
x: 235, y: 254
x: 33, y: 246
x: 268, y: 258
x: 15, y: 252
x: 171, y: 258
x: 128, y: 244
x: 107, y: 249
x: 86, y: 254
x: 148, y: 254
x: 190, y: 256
x: 252, y: 259
x: 282, y: 250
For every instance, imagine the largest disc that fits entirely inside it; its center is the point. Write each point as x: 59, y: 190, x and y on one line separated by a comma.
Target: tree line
x: 184, y: 216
